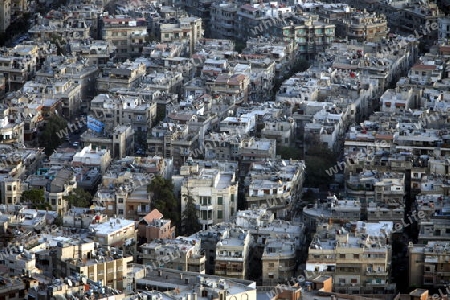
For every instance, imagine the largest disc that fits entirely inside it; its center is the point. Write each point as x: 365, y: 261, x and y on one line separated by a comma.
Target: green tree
x: 36, y: 198
x: 79, y: 198
x: 189, y: 219
x: 289, y: 152
x: 318, y: 160
x: 163, y: 198
x: 49, y: 137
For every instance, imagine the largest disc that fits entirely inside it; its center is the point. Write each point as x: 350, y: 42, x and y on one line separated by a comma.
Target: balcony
x: 204, y: 207
x: 206, y: 222
x: 431, y: 259
x: 376, y: 273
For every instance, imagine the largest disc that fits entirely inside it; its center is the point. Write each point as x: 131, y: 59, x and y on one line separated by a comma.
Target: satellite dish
x: 267, y: 60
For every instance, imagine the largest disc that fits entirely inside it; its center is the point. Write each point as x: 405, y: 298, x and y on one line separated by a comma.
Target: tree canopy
x: 163, y: 198
x: 36, y: 197
x: 318, y: 160
x: 79, y: 198
x: 189, y: 219
x: 48, y: 138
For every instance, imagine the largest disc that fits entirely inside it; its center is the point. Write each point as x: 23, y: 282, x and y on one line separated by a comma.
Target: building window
x: 219, y: 200
x: 219, y: 214
x: 120, y: 211
x: 342, y: 256
x: 356, y: 256
x: 232, y: 198
x: 120, y: 200
x: 271, y: 265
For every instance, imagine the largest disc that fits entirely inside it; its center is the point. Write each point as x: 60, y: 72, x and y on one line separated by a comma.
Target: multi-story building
x: 96, y: 52
x: 444, y: 29
x: 80, y: 72
x: 429, y: 264
x: 279, y: 129
x: 18, y: 65
x: 119, y: 141
x: 434, y: 229
x: 171, y: 140
x: 126, y: 75
x: 97, y: 265
x: 224, y: 20
x: 11, y: 127
x: 127, y: 34
x: 181, y: 254
x: 92, y: 157
x: 153, y: 226
x: 5, y: 14
x: 364, y: 26
x: 124, y: 110
x: 358, y: 257
x: 278, y: 260
x: 311, y: 35
x: 275, y: 185
x: 213, y: 189
x: 232, y: 87
x: 114, y: 232
x: 10, y: 190
x: 186, y: 28
x: 232, y: 253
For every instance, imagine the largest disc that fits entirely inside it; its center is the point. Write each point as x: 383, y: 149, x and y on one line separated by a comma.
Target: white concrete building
x: 214, y: 192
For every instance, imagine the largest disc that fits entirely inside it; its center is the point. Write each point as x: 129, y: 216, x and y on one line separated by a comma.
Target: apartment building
x: 278, y: 261
x: 11, y: 126
x: 92, y: 157
x: 174, y: 141
x: 12, y: 288
x: 96, y: 52
x: 181, y: 254
x: 444, y: 29
x: 213, y: 190
x: 364, y: 26
x: 185, y: 28
x: 310, y: 34
x: 119, y: 141
x: 10, y: 190
x: 18, y: 162
x: 434, y: 228
x: 358, y: 257
x: 5, y: 14
x: 232, y: 253
x: 60, y: 25
x: 124, y: 75
x: 18, y: 65
x: 425, y: 73
x: 333, y: 209
x: 279, y: 129
x: 232, y: 87
x: 223, y: 20
x: 428, y: 264
x: 230, y: 288
x: 153, y: 226
x: 57, y: 182
x: 114, y: 232
x: 275, y: 184
x: 417, y: 16
x: 127, y: 34
x: 126, y: 110
x: 83, y: 217
x: 209, y: 239
x: 79, y: 72
x: 254, y: 150
x: 282, y: 52
x: 101, y: 265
